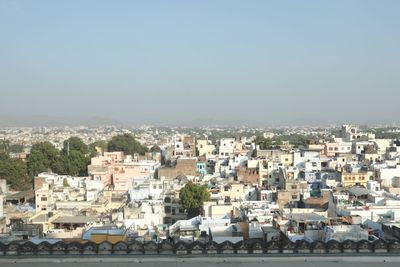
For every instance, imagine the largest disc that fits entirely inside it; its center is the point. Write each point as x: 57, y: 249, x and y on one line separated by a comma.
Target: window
x: 154, y: 187
x: 43, y: 199
x: 294, y: 187
x: 160, y: 187
x: 167, y: 209
x: 294, y: 196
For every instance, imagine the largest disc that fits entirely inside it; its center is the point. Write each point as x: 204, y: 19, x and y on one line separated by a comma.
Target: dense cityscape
x: 199, y: 185
x: 199, y: 133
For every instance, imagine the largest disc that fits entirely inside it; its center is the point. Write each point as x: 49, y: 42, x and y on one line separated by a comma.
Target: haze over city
x: 198, y: 63
x: 199, y: 133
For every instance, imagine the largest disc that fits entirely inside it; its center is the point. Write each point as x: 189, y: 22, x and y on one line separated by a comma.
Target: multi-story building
x: 226, y: 147
x: 184, y: 146
x: 117, y: 171
x: 356, y: 178
x: 205, y: 148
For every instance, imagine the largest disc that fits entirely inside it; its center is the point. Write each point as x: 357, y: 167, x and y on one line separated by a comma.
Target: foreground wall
x: 222, y: 261
x: 241, y: 248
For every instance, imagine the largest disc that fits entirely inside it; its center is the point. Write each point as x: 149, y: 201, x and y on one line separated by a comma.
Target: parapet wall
x: 198, y: 248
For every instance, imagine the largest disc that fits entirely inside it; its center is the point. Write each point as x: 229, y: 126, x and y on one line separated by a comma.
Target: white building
x: 226, y: 147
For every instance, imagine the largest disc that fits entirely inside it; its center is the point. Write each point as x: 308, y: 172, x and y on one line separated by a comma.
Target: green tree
x: 267, y: 143
x: 74, y: 144
x: 4, y: 146
x: 42, y: 158
x: 297, y: 140
x: 15, y: 172
x: 17, y: 148
x: 126, y: 143
x: 74, y: 164
x: 192, y: 197
x: 93, y: 147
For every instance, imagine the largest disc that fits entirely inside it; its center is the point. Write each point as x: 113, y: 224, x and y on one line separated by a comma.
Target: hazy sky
x: 178, y: 61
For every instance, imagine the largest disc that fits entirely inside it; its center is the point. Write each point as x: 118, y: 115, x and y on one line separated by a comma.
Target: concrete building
x: 205, y: 148
x: 356, y: 178
x: 226, y: 148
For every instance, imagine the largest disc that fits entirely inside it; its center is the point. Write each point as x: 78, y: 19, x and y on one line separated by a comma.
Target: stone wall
x: 248, y: 175
x: 166, y: 248
x: 187, y: 167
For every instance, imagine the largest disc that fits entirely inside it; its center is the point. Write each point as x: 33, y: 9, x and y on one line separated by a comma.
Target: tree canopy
x: 267, y: 143
x: 126, y: 143
x: 297, y: 139
x: 294, y: 139
x: 15, y: 173
x: 72, y: 160
x: 4, y: 146
x: 95, y: 146
x: 192, y: 197
x: 75, y: 144
x: 74, y: 164
x: 17, y: 148
x: 42, y: 158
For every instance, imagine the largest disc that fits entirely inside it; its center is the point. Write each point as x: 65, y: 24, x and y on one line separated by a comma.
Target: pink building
x: 331, y: 149
x: 118, y: 171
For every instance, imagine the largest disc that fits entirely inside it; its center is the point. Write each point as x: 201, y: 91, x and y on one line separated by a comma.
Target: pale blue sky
x: 289, y: 62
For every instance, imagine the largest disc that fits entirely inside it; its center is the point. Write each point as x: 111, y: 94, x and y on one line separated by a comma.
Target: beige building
x: 266, y: 169
x: 287, y: 159
x: 233, y: 192
x: 205, y: 148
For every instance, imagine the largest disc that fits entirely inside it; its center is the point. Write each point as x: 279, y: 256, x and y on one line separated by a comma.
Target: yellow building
x: 101, y: 234
x: 356, y: 178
